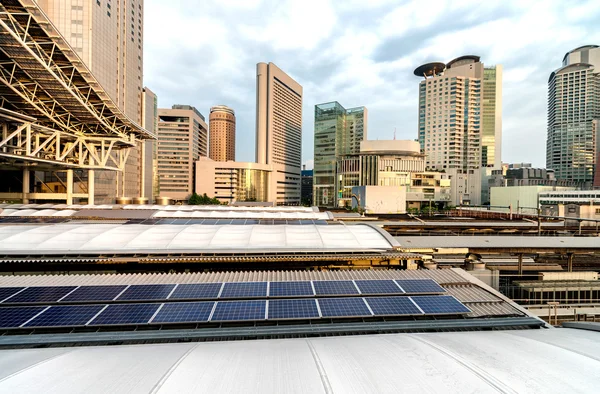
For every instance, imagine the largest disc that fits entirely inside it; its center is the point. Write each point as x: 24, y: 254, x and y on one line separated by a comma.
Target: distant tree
x: 195, y: 199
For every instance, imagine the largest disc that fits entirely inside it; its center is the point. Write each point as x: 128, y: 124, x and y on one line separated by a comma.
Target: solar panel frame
x: 393, y: 306
x: 343, y: 307
x: 335, y: 287
x: 65, y: 316
x: 184, y: 312
x: 6, y: 292
x: 244, y: 290
x: 146, y: 292
x: 420, y: 286
x: 16, y: 316
x: 246, y: 310
x: 291, y: 289
x: 378, y: 286
x: 293, y: 309
x: 125, y: 314
x: 40, y: 294
x: 196, y: 291
x: 440, y: 305
x: 94, y: 293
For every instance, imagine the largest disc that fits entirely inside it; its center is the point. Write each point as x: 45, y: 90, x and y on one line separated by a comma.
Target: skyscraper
x: 338, y: 132
x: 573, y: 144
x: 149, y: 159
x: 279, y: 131
x: 460, y: 109
x: 182, y: 140
x: 108, y: 37
x: 222, y: 133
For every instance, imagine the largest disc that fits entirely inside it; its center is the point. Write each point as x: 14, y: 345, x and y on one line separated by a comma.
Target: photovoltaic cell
x: 41, y: 294
x: 196, y: 291
x: 6, y: 292
x: 432, y: 305
x: 94, y: 293
x: 65, y: 315
x: 239, y: 310
x: 343, y: 307
x: 293, y: 309
x: 244, y: 289
x: 284, y: 289
x: 378, y: 287
x: 390, y: 306
x: 146, y: 292
x: 334, y: 287
x: 14, y: 317
x: 183, y: 312
x: 420, y: 286
x: 125, y: 314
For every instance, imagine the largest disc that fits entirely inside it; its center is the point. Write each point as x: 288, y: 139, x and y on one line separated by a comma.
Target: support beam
x: 570, y: 262
x: 91, y: 188
x: 69, y: 187
x: 26, y: 182
x: 520, y: 264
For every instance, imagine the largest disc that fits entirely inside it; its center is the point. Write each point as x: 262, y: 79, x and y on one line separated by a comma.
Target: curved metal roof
x: 466, y: 57
x: 579, y: 49
x: 429, y: 69
x: 69, y: 239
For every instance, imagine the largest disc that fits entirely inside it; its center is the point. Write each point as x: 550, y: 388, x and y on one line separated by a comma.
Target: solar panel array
x: 156, y: 221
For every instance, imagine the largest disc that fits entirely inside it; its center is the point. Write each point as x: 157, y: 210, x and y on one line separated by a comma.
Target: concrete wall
x: 380, y: 199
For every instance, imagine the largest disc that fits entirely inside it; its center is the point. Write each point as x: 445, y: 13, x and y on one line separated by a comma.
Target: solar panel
x: 94, y: 293
x: 65, y: 315
x: 41, y: 294
x: 125, y: 314
x: 284, y: 289
x: 196, y: 291
x: 182, y: 312
x: 343, y: 307
x: 146, y: 292
x: 420, y: 286
x: 334, y: 287
x: 6, y: 292
x: 378, y: 287
x: 432, y: 305
x: 390, y: 306
x: 239, y: 310
x: 244, y: 289
x: 293, y: 309
x: 15, y: 317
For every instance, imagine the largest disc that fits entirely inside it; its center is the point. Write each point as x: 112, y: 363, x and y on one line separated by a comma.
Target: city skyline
x: 363, y: 55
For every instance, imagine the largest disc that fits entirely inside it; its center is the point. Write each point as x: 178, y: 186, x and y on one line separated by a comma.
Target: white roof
x: 528, y: 361
x: 37, y: 212
x: 221, y: 214
x: 164, y: 207
x: 137, y: 238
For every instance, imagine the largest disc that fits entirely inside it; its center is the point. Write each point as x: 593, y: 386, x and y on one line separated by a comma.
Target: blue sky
x: 361, y: 54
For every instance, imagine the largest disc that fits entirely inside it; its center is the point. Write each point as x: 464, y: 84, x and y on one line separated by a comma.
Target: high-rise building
x: 222, y: 133
x: 460, y: 122
x: 108, y: 37
x: 338, y: 132
x: 279, y: 131
x: 182, y: 140
x: 573, y: 143
x: 149, y: 159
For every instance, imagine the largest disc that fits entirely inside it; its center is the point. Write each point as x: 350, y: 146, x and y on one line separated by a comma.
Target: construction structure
x: 54, y: 114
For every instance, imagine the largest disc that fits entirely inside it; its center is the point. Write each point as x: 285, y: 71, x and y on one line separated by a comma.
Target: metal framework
x: 53, y: 112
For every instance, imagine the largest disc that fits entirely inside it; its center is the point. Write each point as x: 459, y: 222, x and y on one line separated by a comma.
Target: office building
x: 338, y: 133
x: 182, y: 140
x: 108, y: 37
x: 149, y: 160
x: 222, y: 133
x: 572, y: 146
x: 279, y: 131
x: 307, y: 187
x: 460, y: 122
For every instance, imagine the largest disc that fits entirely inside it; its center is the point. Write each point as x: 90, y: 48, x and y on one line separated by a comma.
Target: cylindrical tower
x: 222, y: 133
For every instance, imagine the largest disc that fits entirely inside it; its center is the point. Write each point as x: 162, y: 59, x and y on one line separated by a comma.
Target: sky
x: 361, y: 53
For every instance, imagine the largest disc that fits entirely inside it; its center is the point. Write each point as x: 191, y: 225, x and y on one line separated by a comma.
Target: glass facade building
x: 338, y: 133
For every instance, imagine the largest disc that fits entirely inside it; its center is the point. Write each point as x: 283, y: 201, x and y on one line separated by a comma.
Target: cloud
x: 361, y: 54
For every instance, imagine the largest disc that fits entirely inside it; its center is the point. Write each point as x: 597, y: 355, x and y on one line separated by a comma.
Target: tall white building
x: 279, y: 131
x: 573, y: 145
x: 460, y: 122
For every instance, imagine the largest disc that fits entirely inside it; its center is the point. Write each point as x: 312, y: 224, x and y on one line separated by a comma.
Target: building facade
x: 108, y: 37
x: 222, y: 133
x: 149, y: 160
x: 279, y: 131
x: 460, y: 122
x: 307, y: 187
x: 338, y: 133
x: 232, y: 182
x: 182, y: 141
x: 572, y: 146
